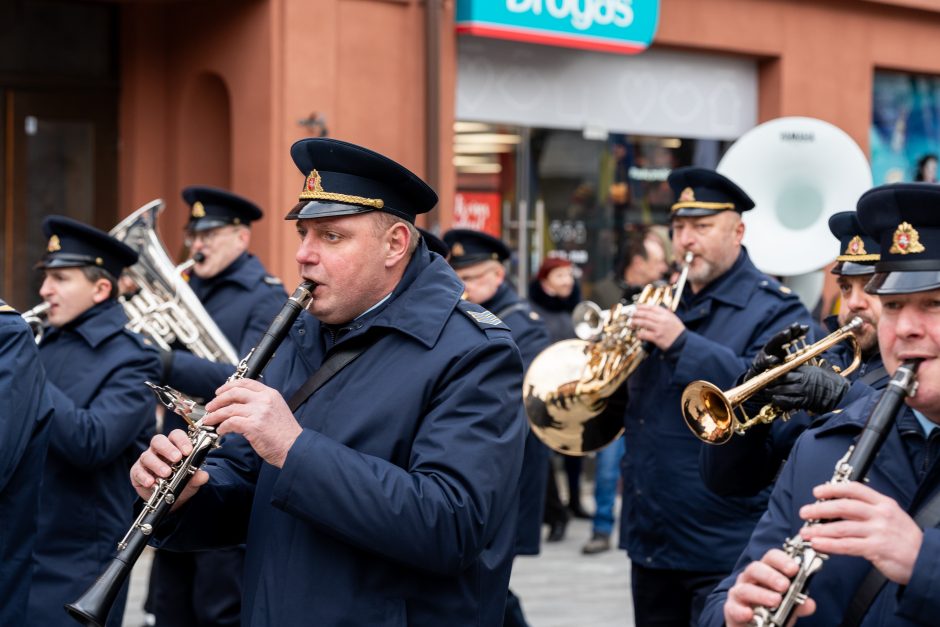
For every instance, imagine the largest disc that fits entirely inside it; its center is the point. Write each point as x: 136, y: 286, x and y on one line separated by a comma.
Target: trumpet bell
x: 707, y: 412
x: 565, y: 420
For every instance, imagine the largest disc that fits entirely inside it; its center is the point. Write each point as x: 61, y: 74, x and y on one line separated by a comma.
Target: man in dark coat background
x: 868, y: 529
x: 682, y: 538
x: 478, y: 260
x: 388, y: 497
x: 25, y: 417
x: 104, y: 416
x: 204, y: 589
x: 748, y: 463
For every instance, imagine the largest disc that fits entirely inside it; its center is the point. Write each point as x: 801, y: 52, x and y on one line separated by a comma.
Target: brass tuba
x: 569, y: 384
x: 711, y: 413
x: 164, y: 307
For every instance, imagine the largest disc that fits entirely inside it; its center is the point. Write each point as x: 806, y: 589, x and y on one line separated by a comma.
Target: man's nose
x: 306, y: 254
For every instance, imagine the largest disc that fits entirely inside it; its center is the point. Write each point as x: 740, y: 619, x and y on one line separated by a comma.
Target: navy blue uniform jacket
x: 747, y: 464
x: 531, y: 336
x: 25, y: 416
x: 397, y: 503
x: 242, y: 300
x: 104, y: 418
x: 670, y: 520
x: 811, y: 463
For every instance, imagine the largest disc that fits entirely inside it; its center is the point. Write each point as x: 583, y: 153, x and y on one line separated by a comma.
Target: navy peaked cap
x: 211, y: 208
x: 434, y: 243
x: 468, y: 247
x: 345, y: 179
x: 703, y: 192
x: 858, y: 251
x: 905, y: 220
x: 73, y: 244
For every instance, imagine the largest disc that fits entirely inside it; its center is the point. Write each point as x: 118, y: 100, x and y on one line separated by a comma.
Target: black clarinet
x: 93, y: 607
x: 853, y: 466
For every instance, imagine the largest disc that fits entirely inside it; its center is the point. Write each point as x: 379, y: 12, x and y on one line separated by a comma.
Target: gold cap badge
x: 54, y: 244
x: 457, y: 250
x: 906, y: 240
x: 199, y: 211
x: 856, y: 247
x: 687, y: 195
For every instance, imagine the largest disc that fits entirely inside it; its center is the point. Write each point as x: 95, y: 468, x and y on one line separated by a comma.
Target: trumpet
x: 93, y: 607
x: 568, y: 385
x: 711, y: 413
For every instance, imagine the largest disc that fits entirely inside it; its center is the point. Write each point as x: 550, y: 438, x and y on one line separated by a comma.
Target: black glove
x: 812, y: 388
x: 773, y: 352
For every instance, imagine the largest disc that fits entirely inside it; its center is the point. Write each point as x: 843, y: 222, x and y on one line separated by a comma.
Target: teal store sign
x: 625, y: 26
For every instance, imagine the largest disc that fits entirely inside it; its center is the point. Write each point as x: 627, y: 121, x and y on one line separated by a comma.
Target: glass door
x: 60, y: 157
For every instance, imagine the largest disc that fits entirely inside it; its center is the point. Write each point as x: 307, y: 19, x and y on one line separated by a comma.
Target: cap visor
x: 850, y: 268
x: 696, y: 212
x: 316, y: 209
x: 885, y: 283
x: 206, y: 224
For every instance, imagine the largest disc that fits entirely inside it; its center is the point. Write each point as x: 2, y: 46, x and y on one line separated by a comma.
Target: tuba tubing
x: 710, y: 413
x: 93, y: 607
x: 165, y: 307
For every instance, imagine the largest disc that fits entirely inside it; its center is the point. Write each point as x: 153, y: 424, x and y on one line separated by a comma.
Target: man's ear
x: 398, y: 242
x: 101, y: 290
x: 244, y: 237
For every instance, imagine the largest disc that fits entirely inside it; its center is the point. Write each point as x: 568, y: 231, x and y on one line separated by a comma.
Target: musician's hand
x: 865, y: 523
x: 816, y: 389
x: 763, y: 584
x: 774, y: 351
x: 257, y: 412
x: 658, y: 325
x: 154, y: 464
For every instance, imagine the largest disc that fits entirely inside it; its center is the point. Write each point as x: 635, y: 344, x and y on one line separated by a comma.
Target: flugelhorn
x: 93, y: 607
x: 568, y: 385
x: 712, y: 414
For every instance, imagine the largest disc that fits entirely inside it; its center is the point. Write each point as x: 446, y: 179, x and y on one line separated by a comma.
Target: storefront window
x: 905, y: 130
x: 583, y: 191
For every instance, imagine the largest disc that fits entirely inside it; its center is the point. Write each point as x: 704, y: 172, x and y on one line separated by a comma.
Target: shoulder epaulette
x: 4, y: 308
x: 774, y: 287
x: 483, y: 318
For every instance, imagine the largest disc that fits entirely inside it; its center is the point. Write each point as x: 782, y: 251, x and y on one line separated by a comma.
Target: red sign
x: 478, y: 211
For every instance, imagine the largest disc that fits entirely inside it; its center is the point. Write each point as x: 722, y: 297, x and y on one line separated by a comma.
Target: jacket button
x: 301, y: 331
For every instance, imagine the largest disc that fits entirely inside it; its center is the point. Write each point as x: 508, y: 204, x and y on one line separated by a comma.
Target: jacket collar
x: 503, y: 297
x: 734, y: 287
x: 419, y: 306
x: 893, y: 466
x: 422, y: 302
x: 96, y: 324
x: 552, y: 303
x: 246, y: 271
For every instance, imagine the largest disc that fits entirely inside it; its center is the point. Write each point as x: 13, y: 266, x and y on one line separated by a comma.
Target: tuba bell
x: 712, y: 414
x: 568, y: 386
x: 164, y: 307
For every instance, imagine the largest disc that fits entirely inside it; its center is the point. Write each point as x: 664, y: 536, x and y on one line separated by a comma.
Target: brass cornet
x: 710, y: 413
